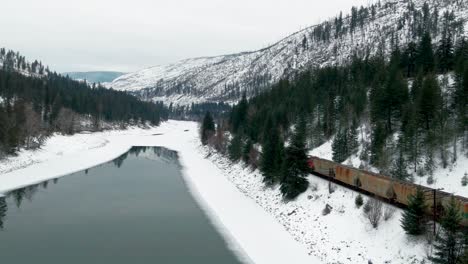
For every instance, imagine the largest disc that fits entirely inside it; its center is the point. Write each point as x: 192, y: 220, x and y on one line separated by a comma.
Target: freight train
x: 384, y: 187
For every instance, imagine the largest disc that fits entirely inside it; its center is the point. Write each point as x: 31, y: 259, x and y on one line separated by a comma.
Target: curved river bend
x: 135, y: 209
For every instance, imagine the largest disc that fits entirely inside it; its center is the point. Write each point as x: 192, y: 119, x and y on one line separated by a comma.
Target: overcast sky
x: 127, y: 35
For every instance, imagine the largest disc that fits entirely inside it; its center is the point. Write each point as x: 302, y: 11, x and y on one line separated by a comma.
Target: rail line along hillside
x: 385, y: 187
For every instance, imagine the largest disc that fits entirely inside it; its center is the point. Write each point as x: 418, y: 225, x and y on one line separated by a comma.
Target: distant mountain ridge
x: 364, y: 32
x: 95, y: 76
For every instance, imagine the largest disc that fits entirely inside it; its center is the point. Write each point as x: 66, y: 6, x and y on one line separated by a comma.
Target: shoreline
x: 250, y: 232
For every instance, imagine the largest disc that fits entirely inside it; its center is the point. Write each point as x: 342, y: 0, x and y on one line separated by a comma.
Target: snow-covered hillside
x: 11, y: 60
x: 224, y: 78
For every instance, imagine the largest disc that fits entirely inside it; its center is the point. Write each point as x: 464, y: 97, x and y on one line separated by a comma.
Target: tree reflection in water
x: 3, y: 211
x: 28, y: 192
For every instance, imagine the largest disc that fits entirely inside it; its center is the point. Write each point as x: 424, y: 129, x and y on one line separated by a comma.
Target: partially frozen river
x: 135, y: 209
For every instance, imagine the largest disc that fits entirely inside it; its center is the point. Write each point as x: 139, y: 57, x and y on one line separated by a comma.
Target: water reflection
x: 135, y: 209
x: 166, y: 155
x: 3, y: 210
x: 19, y: 195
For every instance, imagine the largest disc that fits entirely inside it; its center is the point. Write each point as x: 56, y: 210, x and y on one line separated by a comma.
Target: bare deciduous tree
x: 33, y: 132
x: 219, y: 141
x: 374, y: 214
x: 389, y: 211
x: 65, y: 121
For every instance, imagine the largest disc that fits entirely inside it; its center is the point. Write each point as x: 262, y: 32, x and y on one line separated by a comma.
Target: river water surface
x: 135, y: 209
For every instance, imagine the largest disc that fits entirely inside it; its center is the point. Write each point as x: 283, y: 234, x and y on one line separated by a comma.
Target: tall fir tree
x: 3, y: 211
x: 399, y: 165
x: 449, y: 245
x: 295, y: 167
x: 207, y: 128
x: 414, y: 219
x: 235, y: 147
x: 247, y: 148
x: 271, y: 158
x: 425, y: 58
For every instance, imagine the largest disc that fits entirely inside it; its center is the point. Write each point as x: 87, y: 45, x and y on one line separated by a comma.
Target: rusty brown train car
x: 385, y: 187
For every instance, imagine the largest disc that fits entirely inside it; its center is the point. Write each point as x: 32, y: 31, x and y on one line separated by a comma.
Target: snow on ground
x: 344, y: 235
x: 250, y: 231
x: 449, y: 178
x: 253, y: 218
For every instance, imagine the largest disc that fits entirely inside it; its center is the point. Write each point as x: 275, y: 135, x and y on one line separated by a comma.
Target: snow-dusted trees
x: 32, y: 107
x: 344, y: 144
x: 450, y: 243
x: 295, y: 168
x: 414, y: 218
x: 271, y: 158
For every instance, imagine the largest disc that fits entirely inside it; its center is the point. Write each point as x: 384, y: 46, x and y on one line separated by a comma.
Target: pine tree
x: 3, y: 210
x: 207, y: 128
x: 235, y: 147
x: 399, y: 166
x: 414, y: 220
x: 464, y: 180
x: 295, y: 167
x: 271, y: 158
x: 408, y: 60
x: 359, y: 201
x: 339, y: 147
x: 352, y: 140
x: 445, y: 59
x: 239, y: 114
x: 246, y: 151
x: 449, y: 244
x: 429, y: 103
x: 425, y: 59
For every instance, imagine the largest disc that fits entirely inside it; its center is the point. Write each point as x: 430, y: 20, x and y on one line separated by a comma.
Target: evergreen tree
x: 399, y: 166
x: 377, y: 143
x: 414, y: 220
x: 207, y: 128
x: 425, y: 59
x: 271, y: 158
x: 408, y: 60
x: 295, y: 167
x: 352, y: 140
x: 340, y: 147
x: 445, y: 59
x: 246, y: 151
x: 359, y: 201
x: 3, y: 210
x: 449, y: 244
x: 460, y: 100
x: 239, y: 114
x: 464, y: 180
x: 235, y: 147
x: 429, y: 103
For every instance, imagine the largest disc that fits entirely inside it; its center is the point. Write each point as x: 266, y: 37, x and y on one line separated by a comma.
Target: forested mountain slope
x: 35, y: 102
x: 364, y: 32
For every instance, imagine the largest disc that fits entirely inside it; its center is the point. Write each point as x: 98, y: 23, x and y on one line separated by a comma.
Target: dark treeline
x: 31, y: 108
x: 196, y: 111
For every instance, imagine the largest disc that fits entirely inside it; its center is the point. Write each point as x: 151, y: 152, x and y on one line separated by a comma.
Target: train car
x: 385, y: 187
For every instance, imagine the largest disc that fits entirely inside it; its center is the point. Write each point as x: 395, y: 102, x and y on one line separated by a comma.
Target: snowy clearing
x: 251, y: 232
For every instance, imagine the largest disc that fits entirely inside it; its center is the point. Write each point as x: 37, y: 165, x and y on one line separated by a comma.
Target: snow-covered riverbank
x: 250, y: 230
